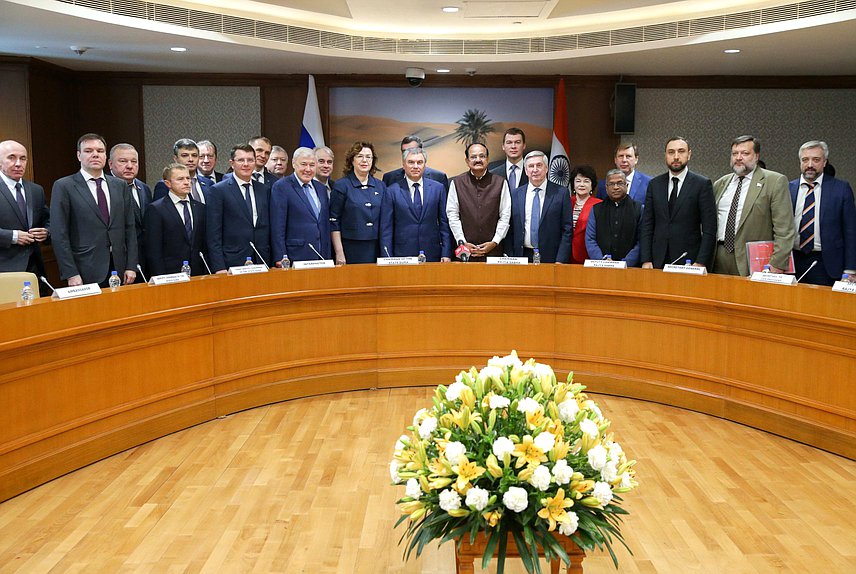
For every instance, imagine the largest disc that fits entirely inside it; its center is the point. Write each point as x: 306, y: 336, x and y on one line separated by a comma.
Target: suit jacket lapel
x: 13, y: 201
x: 686, y: 188
x: 755, y: 187
x: 238, y: 189
x: 301, y: 193
x: 83, y: 189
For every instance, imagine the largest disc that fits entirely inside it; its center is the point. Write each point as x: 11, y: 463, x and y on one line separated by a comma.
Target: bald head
x: 13, y: 159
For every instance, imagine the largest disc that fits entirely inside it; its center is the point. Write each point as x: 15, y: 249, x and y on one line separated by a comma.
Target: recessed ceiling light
x: 443, y: 70
x: 451, y: 9
x: 731, y: 51
x: 178, y: 49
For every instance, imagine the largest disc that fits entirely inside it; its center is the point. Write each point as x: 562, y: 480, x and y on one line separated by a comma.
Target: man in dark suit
x: 679, y: 215
x: 398, y: 176
x: 124, y: 163
x: 208, y: 161
x: 277, y: 165
x: 324, y: 168
x: 92, y: 220
x: 175, y: 227
x: 626, y: 158
x: 238, y: 213
x: 300, y: 212
x: 541, y: 215
x: 825, y: 219
x: 186, y: 152
x: 512, y: 168
x: 613, y: 226
x: 413, y: 216
x: 24, y: 217
x: 262, y: 147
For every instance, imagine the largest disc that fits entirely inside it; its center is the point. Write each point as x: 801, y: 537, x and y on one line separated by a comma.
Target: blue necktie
x: 417, y: 199
x: 313, y: 199
x: 807, y: 221
x: 512, y: 177
x: 535, y: 218
x: 188, y: 225
x: 22, y: 203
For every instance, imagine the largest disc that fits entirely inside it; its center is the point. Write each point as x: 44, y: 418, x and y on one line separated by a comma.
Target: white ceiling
x: 45, y: 29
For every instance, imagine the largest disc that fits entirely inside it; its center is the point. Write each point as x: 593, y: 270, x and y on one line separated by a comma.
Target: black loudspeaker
x: 625, y: 108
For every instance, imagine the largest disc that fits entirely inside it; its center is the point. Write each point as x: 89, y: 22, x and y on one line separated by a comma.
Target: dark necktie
x: 417, y: 199
x: 312, y: 197
x: 673, y: 197
x: 188, y: 222
x: 512, y: 177
x: 135, y: 196
x: 194, y: 193
x: 248, y: 198
x: 535, y: 218
x: 257, y: 175
x: 731, y: 222
x: 22, y: 203
x: 103, y: 210
x: 807, y: 221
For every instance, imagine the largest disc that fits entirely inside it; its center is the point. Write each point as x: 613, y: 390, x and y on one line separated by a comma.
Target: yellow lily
x: 466, y: 472
x: 493, y: 466
x: 527, y: 453
x: 493, y: 517
x: 554, y: 509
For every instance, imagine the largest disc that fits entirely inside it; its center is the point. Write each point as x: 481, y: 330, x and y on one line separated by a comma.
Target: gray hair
x: 303, y: 152
x: 813, y: 144
x: 536, y: 153
x: 615, y: 171
x: 207, y: 143
x: 414, y: 151
x: 325, y: 149
x: 129, y: 147
x: 279, y: 149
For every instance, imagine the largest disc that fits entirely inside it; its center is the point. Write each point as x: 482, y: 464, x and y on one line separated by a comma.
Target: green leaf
x: 490, y: 547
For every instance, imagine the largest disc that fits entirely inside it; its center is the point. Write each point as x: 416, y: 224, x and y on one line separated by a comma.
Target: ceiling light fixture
x: 450, y: 9
x: 731, y: 51
x: 443, y: 70
x: 178, y: 49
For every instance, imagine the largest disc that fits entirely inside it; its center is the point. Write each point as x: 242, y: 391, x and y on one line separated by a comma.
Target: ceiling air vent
x: 171, y: 15
x: 206, y: 21
x: 479, y: 46
x: 336, y: 41
x: 742, y: 19
x: 816, y: 8
x: 626, y: 36
x: 130, y: 8
x: 239, y: 26
x: 707, y: 25
x: 512, y: 46
x: 303, y: 36
x: 385, y: 45
x: 594, y: 39
x: 447, y: 47
x: 271, y: 31
x: 667, y: 31
x: 414, y: 47
x: 100, y: 5
x: 561, y: 43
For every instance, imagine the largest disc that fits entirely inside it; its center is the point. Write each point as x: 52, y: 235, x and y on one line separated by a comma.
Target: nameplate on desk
x: 775, y: 278
x: 169, y: 279
x: 78, y: 291
x: 605, y: 263
x: 685, y: 269
x: 507, y: 261
x: 383, y: 261
x: 844, y: 287
x: 247, y: 269
x: 315, y: 264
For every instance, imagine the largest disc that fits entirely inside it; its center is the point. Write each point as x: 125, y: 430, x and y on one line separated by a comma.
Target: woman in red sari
x: 583, y: 183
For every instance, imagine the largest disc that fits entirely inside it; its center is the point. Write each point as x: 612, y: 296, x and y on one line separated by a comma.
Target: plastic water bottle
x: 249, y: 261
x: 536, y: 257
x: 688, y: 263
x: 185, y: 268
x: 285, y: 262
x: 421, y: 258
x: 766, y: 269
x: 27, y: 294
x: 607, y: 257
x: 114, y: 281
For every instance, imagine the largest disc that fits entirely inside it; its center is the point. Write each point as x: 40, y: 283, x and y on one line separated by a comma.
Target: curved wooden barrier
x: 87, y: 378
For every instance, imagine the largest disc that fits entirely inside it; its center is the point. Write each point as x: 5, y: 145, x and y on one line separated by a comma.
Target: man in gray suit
x: 23, y: 214
x: 93, y: 220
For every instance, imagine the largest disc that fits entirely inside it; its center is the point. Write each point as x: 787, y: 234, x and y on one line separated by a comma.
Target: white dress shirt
x: 180, y: 208
x: 453, y: 213
x: 90, y: 182
x: 410, y: 184
x: 798, y: 209
x: 241, y: 183
x: 724, y: 205
x: 527, y: 220
x: 681, y: 177
x: 10, y: 183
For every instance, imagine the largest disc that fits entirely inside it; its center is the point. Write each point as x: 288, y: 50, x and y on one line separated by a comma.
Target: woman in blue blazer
x: 355, y: 207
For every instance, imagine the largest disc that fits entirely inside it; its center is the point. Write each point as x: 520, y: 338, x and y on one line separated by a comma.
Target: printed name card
x: 685, y: 269
x: 78, y: 291
x: 605, y: 263
x: 384, y: 261
x: 844, y: 287
x: 168, y: 279
x: 775, y: 278
x: 505, y: 260
x: 313, y: 264
x: 247, y: 269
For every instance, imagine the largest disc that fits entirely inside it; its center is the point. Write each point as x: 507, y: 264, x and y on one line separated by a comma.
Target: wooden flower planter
x: 467, y: 553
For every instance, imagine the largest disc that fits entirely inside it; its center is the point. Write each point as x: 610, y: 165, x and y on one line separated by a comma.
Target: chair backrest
x: 12, y: 282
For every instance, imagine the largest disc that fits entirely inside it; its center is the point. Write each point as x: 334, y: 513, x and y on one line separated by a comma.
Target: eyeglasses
x: 616, y: 184
x: 362, y: 156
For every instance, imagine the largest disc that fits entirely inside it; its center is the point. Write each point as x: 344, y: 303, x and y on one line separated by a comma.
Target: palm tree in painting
x: 473, y: 126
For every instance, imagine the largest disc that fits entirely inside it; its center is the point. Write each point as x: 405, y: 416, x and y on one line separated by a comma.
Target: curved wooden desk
x: 86, y: 378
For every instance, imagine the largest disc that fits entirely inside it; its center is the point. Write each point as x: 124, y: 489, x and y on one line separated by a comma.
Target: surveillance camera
x: 415, y: 76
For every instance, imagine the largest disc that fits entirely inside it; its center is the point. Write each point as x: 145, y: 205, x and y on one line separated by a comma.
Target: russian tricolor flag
x: 311, y: 134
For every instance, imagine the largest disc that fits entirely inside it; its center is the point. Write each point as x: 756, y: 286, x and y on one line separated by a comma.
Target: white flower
x: 597, y: 457
x: 515, y: 499
x: 543, y: 371
x: 427, y: 426
x: 589, y: 427
x: 545, y: 441
x: 454, y: 450
x: 568, y: 529
x: 453, y: 393
x: 540, y: 478
x: 562, y: 472
x: 420, y: 414
x: 501, y: 446
x: 393, y: 471
x: 399, y: 444
x: 506, y: 361
x: 603, y: 492
x: 413, y: 489
x: 527, y: 405
x: 450, y: 500
x: 499, y: 402
x: 610, y: 471
x: 590, y: 405
x: 568, y: 410
x: 625, y: 480
x: 615, y: 450
x: 477, y: 498
x: 490, y: 372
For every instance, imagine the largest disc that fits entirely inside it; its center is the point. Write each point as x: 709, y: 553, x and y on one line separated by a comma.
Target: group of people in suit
x: 101, y: 221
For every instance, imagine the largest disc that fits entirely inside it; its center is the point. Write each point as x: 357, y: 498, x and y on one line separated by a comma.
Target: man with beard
x: 613, y: 227
x: 679, y: 215
x: 752, y: 205
x: 479, y: 206
x: 825, y: 230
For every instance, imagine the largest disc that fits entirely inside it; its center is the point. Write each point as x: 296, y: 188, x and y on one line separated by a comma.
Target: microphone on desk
x: 143, y: 275
x: 387, y: 251
x: 312, y: 247
x: 462, y: 252
x: 206, y: 263
x: 813, y: 263
x: 262, y: 259
x: 45, y: 281
x: 681, y: 256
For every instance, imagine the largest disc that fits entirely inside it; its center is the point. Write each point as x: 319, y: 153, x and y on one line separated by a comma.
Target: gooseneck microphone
x: 681, y: 256
x: 813, y: 263
x: 262, y: 259
x: 143, y: 275
x: 206, y: 263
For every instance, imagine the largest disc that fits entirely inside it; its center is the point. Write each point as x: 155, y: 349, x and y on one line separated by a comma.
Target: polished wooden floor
x: 303, y: 486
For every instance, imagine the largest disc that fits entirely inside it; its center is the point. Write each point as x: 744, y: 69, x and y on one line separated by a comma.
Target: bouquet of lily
x: 508, y: 450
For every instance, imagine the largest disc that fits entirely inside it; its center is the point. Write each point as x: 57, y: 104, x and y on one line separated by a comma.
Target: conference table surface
x: 85, y: 378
